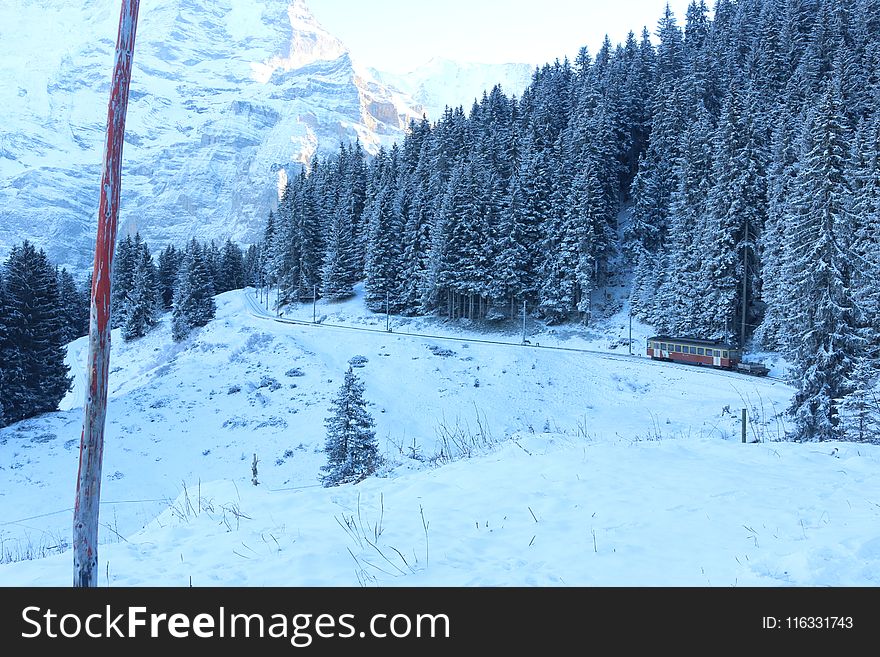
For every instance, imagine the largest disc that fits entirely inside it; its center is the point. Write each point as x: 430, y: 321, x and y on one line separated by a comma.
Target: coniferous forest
x: 728, y: 171
x: 730, y: 168
x: 42, y: 308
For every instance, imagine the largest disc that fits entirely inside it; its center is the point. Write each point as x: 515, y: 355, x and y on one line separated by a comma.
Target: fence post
x: 744, y: 425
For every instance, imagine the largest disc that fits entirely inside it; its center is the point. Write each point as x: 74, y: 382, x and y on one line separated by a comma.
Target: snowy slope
x: 582, y: 469
x: 227, y: 96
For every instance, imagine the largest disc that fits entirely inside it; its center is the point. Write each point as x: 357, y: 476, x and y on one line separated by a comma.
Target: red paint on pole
x: 91, y: 450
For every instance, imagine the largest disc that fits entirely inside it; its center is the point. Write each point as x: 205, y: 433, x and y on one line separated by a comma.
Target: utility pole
x: 91, y: 449
x: 630, y: 342
x: 388, y: 312
x: 742, y: 335
x: 524, y: 322
x: 314, y: 304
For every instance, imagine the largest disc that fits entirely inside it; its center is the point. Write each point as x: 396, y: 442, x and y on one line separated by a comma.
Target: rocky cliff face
x: 227, y: 96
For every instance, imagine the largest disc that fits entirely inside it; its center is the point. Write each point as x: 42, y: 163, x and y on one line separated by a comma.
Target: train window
x: 676, y: 348
x: 717, y: 353
x: 701, y: 351
x: 663, y: 346
x: 724, y: 354
x: 694, y: 350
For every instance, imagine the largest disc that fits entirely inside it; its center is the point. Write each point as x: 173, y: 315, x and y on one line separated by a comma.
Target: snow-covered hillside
x: 227, y: 96
x: 505, y: 464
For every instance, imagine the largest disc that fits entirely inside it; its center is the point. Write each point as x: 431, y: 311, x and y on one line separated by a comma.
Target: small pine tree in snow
x: 351, y: 447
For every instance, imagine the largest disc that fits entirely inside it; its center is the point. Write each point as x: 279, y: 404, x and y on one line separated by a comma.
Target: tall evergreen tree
x: 194, y: 304
x: 383, y: 226
x: 339, y: 273
x: 821, y: 310
x: 232, y: 275
x: 169, y: 268
x: 33, y: 349
x: 735, y: 209
x: 143, y: 303
x: 74, y: 306
x: 124, y: 263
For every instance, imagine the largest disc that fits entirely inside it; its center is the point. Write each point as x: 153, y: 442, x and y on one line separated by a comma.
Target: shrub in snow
x: 269, y: 382
x: 351, y: 446
x: 294, y: 371
x: 358, y: 361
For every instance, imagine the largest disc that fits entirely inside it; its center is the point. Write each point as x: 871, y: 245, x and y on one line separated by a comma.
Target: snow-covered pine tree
x: 282, y: 246
x: 340, y: 259
x: 656, y: 180
x: 232, y: 270
x: 512, y: 264
x: 354, y: 196
x: 309, y: 233
x: 252, y: 265
x: 124, y: 263
x: 735, y: 213
x: 417, y: 232
x: 33, y: 351
x: 383, y: 226
x: 143, y: 303
x: 683, y: 292
x: 169, y: 266
x: 212, y: 259
x: 266, y: 271
x: 773, y: 243
x: 865, y: 210
x: 351, y: 446
x: 194, y: 304
x: 468, y: 256
x: 74, y: 307
x: 824, y: 341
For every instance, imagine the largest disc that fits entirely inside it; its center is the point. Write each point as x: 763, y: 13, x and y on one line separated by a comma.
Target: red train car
x: 694, y: 351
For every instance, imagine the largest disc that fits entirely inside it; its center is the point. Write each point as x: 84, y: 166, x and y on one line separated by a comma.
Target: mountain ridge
x: 224, y: 97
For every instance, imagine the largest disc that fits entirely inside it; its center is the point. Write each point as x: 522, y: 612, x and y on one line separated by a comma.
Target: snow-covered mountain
x: 442, y: 82
x: 227, y: 96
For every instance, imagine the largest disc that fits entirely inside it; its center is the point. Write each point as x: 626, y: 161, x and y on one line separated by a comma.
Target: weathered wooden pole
x: 91, y: 449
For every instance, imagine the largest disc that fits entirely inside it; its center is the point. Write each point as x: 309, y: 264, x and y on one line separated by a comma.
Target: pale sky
x: 399, y: 35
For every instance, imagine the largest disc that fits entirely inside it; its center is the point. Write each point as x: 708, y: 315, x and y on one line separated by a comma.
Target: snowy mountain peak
x: 308, y: 42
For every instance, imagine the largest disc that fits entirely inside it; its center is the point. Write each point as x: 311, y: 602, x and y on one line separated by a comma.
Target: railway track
x: 260, y: 312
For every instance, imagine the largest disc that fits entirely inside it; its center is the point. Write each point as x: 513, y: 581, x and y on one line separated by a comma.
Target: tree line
x: 43, y: 308
x: 733, y: 170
